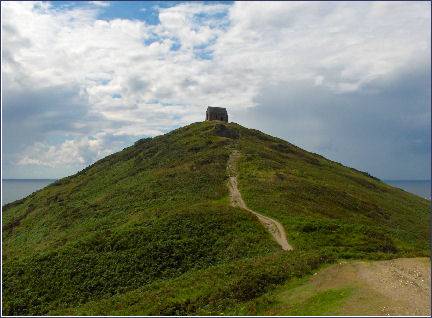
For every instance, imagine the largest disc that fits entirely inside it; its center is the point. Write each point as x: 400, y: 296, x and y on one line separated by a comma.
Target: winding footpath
x: 274, y: 227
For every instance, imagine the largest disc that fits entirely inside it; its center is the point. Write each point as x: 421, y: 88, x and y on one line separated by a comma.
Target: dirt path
x: 274, y: 227
x: 394, y: 287
x: 398, y: 287
x: 405, y: 282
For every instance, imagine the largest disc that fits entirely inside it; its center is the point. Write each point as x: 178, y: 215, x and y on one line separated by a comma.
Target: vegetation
x: 347, y: 288
x: 326, y: 206
x: 149, y: 230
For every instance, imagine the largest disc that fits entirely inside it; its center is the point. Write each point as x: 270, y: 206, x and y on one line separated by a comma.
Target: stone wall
x: 217, y: 113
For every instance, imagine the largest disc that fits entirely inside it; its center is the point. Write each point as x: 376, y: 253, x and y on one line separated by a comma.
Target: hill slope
x: 149, y: 230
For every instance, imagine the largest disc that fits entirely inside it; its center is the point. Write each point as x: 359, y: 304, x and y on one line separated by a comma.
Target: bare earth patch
x: 393, y: 287
x: 404, y: 284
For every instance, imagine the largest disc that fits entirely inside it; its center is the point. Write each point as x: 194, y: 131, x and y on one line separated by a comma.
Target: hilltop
x: 150, y: 230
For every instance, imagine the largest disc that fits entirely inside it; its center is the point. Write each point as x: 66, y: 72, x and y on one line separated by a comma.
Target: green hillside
x: 149, y: 230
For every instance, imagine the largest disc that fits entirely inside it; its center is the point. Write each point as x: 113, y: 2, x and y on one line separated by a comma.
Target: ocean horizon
x: 15, y: 189
x: 421, y: 188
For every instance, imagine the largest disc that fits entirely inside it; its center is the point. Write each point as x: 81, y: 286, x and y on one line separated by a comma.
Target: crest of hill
x: 149, y: 229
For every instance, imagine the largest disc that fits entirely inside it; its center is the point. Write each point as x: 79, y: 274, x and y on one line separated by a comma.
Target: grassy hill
x: 149, y: 230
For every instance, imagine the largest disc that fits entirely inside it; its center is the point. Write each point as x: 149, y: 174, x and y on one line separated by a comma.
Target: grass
x: 210, y: 291
x: 298, y: 298
x: 337, y: 289
x: 149, y: 230
x: 323, y: 303
x: 324, y: 205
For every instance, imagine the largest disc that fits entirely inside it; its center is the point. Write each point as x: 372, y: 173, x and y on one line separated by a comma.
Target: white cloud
x: 131, y: 77
x: 347, y: 45
x: 180, y: 22
x: 103, y: 4
x: 69, y: 153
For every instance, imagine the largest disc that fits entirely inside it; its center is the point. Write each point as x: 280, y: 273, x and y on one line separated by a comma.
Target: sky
x: 348, y: 80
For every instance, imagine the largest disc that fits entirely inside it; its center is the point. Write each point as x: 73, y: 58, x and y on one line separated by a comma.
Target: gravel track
x: 274, y: 227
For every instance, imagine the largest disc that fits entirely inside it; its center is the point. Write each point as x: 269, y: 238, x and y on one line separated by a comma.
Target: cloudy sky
x: 348, y: 80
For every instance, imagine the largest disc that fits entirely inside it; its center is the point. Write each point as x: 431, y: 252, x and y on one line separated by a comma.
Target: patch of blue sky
x: 147, y: 11
x: 151, y: 40
x: 205, y: 51
x: 62, y: 5
x: 217, y: 19
x: 132, y: 10
x: 204, y: 54
x: 217, y: 2
x: 223, y: 20
x: 175, y: 46
x: 116, y: 96
x: 154, y: 37
x: 103, y: 81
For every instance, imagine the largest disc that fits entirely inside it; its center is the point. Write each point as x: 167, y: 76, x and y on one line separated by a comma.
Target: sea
x: 14, y: 189
x: 420, y: 187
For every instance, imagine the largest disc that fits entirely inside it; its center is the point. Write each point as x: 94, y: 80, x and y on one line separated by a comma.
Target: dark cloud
x: 52, y: 114
x: 136, y: 84
x: 383, y: 129
x: 30, y: 114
